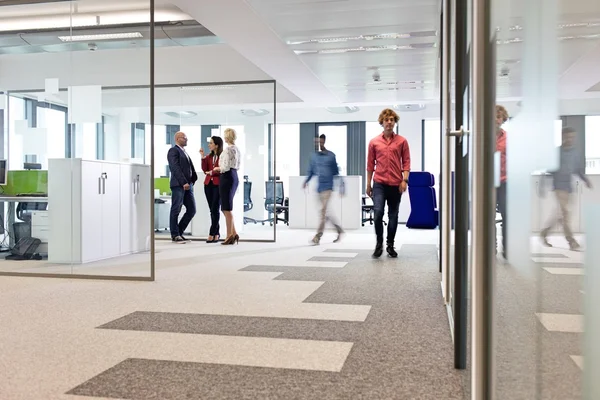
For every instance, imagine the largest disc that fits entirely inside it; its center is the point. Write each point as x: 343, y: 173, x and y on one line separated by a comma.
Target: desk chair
x: 24, y: 211
x: 368, y: 212
x: 248, y: 205
x: 276, y: 203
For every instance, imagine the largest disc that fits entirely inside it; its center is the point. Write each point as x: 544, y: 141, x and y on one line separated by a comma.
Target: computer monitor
x: 3, y: 172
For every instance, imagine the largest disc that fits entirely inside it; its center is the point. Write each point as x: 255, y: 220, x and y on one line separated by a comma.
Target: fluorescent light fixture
x: 90, y: 20
x: 368, y: 49
x: 254, y: 113
x: 104, y: 36
x: 378, y: 36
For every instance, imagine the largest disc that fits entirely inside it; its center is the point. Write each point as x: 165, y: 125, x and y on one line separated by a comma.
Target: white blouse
x: 231, y: 158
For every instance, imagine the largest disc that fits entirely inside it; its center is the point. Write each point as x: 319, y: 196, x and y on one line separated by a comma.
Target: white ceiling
x: 262, y: 39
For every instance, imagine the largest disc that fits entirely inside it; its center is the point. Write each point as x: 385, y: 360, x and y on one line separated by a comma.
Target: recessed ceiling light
x: 342, y: 110
x: 181, y: 114
x: 104, y: 36
x: 409, y: 107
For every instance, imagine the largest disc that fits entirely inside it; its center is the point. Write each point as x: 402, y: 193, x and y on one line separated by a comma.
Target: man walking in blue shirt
x: 324, y: 164
x: 571, y: 163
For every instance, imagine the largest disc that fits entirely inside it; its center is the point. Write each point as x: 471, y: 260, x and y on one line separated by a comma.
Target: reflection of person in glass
x: 183, y: 177
x: 501, y: 118
x: 389, y: 161
x: 324, y: 165
x: 211, y: 185
x: 571, y: 163
x: 229, y: 164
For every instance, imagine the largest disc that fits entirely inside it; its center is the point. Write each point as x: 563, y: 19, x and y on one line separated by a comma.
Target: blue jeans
x: 181, y: 197
x: 382, y: 194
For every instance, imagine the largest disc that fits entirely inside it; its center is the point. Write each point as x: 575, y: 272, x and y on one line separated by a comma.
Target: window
x: 288, y: 153
x: 431, y: 147
x: 15, y: 141
x: 592, y: 144
x: 372, y: 129
x: 86, y: 141
x: 337, y: 142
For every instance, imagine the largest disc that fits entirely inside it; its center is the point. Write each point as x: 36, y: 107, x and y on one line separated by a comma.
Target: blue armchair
x: 423, y: 213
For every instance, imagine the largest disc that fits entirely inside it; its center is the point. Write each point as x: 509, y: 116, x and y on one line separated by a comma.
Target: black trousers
x: 214, y: 203
x: 502, y: 206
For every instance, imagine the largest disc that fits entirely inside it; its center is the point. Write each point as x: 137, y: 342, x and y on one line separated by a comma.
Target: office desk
x: 11, y: 200
x: 305, y: 206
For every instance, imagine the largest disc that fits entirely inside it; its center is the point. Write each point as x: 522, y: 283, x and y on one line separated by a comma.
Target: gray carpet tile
x: 402, y: 351
x: 287, y: 328
x: 531, y: 362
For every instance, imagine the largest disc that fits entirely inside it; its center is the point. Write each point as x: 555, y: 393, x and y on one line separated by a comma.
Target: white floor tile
x: 568, y: 323
x: 565, y: 271
x: 578, y: 360
x: 231, y: 350
x: 338, y: 255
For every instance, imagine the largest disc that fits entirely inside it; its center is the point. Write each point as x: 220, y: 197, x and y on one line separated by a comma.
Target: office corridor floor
x: 254, y: 321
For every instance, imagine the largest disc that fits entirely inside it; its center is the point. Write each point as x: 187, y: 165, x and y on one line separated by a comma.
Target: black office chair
x: 276, y: 203
x: 248, y: 205
x: 24, y: 211
x: 368, y: 212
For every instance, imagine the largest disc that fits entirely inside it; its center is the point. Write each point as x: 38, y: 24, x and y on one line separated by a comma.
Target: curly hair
x: 502, y: 113
x: 388, y: 112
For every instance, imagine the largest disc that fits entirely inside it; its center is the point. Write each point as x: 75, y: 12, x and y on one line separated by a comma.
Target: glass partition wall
x: 71, y: 203
x: 204, y: 111
x: 84, y: 181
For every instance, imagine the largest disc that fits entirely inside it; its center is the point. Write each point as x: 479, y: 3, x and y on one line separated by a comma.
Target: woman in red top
x: 211, y: 185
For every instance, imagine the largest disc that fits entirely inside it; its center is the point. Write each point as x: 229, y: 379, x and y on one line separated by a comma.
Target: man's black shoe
x: 391, y: 251
x: 378, y: 250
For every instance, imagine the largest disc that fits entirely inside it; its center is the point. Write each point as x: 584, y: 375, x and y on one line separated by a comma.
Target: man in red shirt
x: 388, y: 167
x: 501, y: 118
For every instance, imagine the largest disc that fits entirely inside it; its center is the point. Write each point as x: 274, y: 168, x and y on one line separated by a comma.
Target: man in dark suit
x: 183, y: 177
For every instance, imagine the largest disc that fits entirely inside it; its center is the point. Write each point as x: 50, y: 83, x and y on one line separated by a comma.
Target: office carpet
x: 403, y: 349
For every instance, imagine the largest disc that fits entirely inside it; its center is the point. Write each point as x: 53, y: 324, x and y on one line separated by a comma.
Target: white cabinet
x: 91, y: 212
x: 135, y: 208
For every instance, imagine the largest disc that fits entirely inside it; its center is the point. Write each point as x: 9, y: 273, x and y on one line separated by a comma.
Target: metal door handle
x: 100, y: 185
x: 459, y: 133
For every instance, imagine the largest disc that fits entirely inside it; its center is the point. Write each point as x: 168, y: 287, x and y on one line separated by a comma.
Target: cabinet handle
x: 100, y: 185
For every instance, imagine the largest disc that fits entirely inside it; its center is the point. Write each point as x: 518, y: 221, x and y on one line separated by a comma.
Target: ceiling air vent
x: 342, y: 110
x: 254, y: 113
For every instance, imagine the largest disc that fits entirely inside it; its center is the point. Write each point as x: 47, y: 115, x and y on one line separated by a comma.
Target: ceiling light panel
x: 105, y: 36
x: 367, y: 49
x: 89, y: 20
x: 380, y: 36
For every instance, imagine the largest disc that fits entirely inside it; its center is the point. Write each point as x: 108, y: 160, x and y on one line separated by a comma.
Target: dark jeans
x: 381, y: 195
x: 181, y: 197
x: 501, y: 203
x: 214, y: 203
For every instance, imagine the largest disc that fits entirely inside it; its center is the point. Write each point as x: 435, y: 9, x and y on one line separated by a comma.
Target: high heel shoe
x: 231, y: 240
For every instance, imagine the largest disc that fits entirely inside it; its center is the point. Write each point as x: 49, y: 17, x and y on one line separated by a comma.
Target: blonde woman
x: 228, y: 166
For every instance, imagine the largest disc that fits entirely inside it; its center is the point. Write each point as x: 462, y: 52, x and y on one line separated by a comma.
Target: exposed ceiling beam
x: 238, y: 25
